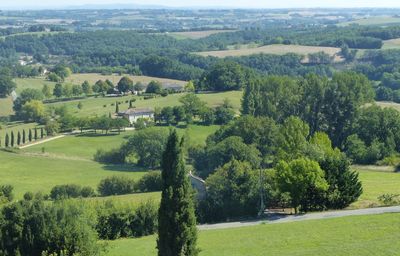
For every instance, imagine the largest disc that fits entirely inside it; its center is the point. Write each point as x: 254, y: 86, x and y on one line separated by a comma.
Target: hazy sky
x: 232, y: 3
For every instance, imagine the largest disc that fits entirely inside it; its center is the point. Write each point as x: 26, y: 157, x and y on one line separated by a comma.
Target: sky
x: 208, y: 3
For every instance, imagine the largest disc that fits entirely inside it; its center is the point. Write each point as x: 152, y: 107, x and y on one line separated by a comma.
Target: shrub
x: 116, y: 185
x: 389, y: 199
x: 70, y: 191
x: 150, y: 182
x: 6, y: 193
x: 145, y: 220
x: 114, y: 156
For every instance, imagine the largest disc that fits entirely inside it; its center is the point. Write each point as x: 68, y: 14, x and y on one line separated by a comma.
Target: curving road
x: 279, y: 218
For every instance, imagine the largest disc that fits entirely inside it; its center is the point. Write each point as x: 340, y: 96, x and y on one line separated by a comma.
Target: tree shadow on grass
x: 124, y: 168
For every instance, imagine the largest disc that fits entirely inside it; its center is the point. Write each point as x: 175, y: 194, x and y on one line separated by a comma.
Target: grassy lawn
x: 6, y: 106
x: 17, y: 127
x: 360, y: 235
x: 32, y: 83
x: 375, y: 184
x: 41, y: 173
x: 274, y: 49
x: 124, y: 200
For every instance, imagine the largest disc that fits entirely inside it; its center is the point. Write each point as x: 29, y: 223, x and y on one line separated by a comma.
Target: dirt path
x: 310, y: 216
x: 42, y: 141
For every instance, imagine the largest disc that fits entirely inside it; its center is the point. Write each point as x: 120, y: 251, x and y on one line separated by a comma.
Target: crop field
x: 196, y: 34
x: 391, y: 44
x: 376, y: 182
x: 377, y: 20
x: 278, y: 49
x: 376, y: 235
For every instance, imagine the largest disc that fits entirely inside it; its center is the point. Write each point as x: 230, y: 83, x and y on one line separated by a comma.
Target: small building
x: 133, y: 114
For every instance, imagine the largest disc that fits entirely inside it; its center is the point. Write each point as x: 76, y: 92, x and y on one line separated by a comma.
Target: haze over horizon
x: 26, y: 4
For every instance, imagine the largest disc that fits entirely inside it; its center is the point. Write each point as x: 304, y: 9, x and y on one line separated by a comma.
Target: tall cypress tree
x: 7, y: 141
x: 23, y: 136
x: 41, y: 133
x: 36, y: 135
x: 19, y: 138
x: 12, y: 139
x: 177, y: 232
x: 30, y: 135
x: 116, y: 107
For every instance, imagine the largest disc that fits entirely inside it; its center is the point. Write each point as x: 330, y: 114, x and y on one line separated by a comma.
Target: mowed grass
x: 6, y: 106
x: 41, y: 173
x: 103, y: 106
x: 84, y: 146
x: 278, y: 49
x: 357, y: 236
x: 196, y: 34
x: 376, y: 182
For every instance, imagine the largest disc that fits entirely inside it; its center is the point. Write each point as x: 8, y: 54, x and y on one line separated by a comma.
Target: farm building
x: 133, y: 114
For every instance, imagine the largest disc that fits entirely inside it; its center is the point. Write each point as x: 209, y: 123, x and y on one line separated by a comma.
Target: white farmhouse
x: 133, y: 114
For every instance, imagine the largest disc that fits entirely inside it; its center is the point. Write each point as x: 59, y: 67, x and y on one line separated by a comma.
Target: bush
x: 116, y: 185
x: 389, y: 199
x: 145, y: 220
x: 114, y: 156
x: 150, y: 182
x: 6, y: 194
x: 70, y: 191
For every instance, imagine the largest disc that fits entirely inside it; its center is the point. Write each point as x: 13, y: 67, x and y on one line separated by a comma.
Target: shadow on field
x: 123, y: 168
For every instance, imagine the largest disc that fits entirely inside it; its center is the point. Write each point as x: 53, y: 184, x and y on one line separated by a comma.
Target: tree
x: 19, y: 138
x: 125, y: 84
x: 232, y: 191
x: 116, y: 107
x: 33, y: 111
x: 139, y: 87
x: 297, y: 177
x: 192, y: 104
x: 58, y: 90
x: 77, y: 90
x: 52, y: 128
x: 67, y: 90
x: 189, y: 87
x: 7, y: 141
x: 224, y: 113
x: 177, y: 232
x: 87, y: 89
x: 25, y: 96
x: 12, y: 142
x: 154, y: 87
x: 7, y: 85
x: 23, y: 136
x: 224, y: 76
x: 46, y: 91
x: 41, y: 133
x: 30, y: 135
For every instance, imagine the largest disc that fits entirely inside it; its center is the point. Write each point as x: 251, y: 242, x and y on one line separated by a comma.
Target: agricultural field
x: 357, y: 236
x: 278, y: 49
x: 376, y: 20
x: 376, y: 181
x: 391, y: 44
x: 196, y: 34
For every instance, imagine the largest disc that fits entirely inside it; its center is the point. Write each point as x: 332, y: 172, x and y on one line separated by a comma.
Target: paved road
x: 310, y: 216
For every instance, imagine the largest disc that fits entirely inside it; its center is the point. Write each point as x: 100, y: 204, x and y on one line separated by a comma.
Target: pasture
x: 278, y: 49
x: 391, y: 44
x: 376, y: 20
x: 195, y: 34
x: 357, y: 236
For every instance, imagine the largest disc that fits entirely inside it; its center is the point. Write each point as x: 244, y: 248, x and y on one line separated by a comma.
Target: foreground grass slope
x: 360, y: 235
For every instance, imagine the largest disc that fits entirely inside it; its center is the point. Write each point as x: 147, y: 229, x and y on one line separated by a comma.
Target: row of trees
x: 10, y: 140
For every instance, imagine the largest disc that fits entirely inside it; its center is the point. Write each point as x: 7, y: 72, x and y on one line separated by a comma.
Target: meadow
x: 357, y: 236
x: 278, y: 49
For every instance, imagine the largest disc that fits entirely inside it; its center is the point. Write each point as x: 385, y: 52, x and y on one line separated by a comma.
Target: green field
x: 391, y: 44
x: 6, y: 106
x: 95, y: 106
x: 377, y: 20
x: 357, y: 236
x: 376, y: 183
x: 68, y: 160
x: 278, y: 49
x: 195, y: 34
